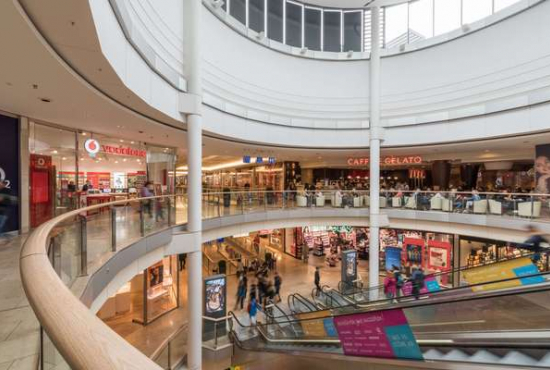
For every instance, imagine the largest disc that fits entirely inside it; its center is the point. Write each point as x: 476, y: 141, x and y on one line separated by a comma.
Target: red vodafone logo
x: 92, y: 146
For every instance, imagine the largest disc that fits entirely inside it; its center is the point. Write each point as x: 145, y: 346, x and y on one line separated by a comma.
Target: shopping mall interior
x: 274, y: 184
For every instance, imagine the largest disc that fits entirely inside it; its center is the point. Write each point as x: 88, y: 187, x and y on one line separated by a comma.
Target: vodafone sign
x: 387, y: 161
x: 92, y: 147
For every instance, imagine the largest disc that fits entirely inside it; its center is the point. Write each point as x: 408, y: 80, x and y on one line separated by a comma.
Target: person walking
x: 146, y: 193
x: 182, y: 259
x: 277, y: 282
x: 253, y: 293
x: 390, y: 286
x: 317, y: 280
x: 417, y: 278
x: 253, y: 312
x: 399, y: 281
x: 241, y: 293
x: 6, y: 203
x: 240, y: 269
x: 533, y: 242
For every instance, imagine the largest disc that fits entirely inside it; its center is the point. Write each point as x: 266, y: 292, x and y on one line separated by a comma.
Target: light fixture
x: 116, y: 161
x: 350, y: 53
x: 260, y: 36
x: 64, y: 159
x: 131, y: 142
x: 83, y: 133
x: 121, y: 140
x: 82, y: 158
x: 303, y: 50
x: 124, y: 160
x: 218, y: 3
x: 99, y: 159
x: 54, y: 152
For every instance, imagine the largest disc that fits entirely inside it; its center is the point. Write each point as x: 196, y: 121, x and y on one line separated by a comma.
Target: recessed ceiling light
x: 54, y: 152
x: 121, y: 140
x: 83, y: 133
x: 131, y: 142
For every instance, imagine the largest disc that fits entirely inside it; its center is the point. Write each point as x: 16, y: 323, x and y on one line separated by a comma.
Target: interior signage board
x: 386, y: 161
x: 215, y: 305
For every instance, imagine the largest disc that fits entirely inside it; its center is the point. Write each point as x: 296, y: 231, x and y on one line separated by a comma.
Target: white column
x: 194, y: 186
x: 374, y: 144
x: 24, y: 158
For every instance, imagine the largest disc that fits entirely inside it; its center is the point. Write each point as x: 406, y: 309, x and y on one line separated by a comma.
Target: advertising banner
x: 430, y: 285
x: 215, y: 304
x: 542, y: 168
x: 393, y: 258
x: 502, y: 271
x: 439, y: 255
x: 384, y: 334
x: 414, y: 249
x: 349, y: 265
x: 316, y: 324
x: 9, y: 172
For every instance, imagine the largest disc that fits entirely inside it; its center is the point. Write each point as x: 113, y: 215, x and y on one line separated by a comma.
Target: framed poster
x: 393, y: 258
x: 349, y: 265
x: 414, y: 250
x: 215, y: 305
x: 439, y: 255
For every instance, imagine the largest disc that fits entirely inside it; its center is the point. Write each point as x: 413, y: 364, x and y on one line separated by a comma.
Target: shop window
x: 332, y: 24
x: 294, y: 24
x: 446, y: 16
x: 275, y: 20
x: 474, y: 10
x: 237, y: 9
x: 421, y: 17
x: 256, y: 12
x: 312, y: 28
x: 352, y: 31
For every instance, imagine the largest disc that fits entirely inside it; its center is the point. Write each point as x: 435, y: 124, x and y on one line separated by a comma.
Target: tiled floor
x: 19, y: 329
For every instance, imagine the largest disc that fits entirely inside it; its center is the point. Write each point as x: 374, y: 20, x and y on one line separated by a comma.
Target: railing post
x: 169, y: 355
x: 141, y: 219
x: 113, y: 228
x: 532, y: 207
x: 41, y: 358
x: 83, y: 246
x: 216, y: 334
x: 169, y: 207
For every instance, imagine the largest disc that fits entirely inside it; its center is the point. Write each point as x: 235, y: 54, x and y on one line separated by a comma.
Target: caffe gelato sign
x: 386, y: 161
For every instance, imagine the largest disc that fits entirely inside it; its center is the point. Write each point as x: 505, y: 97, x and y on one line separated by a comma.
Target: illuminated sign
x: 388, y: 161
x: 92, y: 147
x: 259, y: 160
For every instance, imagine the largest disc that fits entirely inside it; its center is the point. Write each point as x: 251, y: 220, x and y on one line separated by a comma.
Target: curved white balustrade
x: 86, y: 342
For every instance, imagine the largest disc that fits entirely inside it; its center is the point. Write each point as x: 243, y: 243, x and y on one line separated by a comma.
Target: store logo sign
x: 92, y: 147
x: 388, y: 161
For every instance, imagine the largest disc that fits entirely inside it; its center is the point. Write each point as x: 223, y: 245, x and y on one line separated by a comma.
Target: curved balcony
x: 71, y: 263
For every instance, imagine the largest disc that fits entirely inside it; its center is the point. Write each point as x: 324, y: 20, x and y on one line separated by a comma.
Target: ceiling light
x: 303, y: 51
x: 131, y: 142
x: 83, y: 133
x: 121, y: 140
x: 54, y: 152
x: 64, y: 159
x: 124, y: 160
x: 116, y: 161
x: 82, y: 158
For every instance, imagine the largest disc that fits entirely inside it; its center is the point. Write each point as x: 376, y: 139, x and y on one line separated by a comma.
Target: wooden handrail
x: 84, y: 341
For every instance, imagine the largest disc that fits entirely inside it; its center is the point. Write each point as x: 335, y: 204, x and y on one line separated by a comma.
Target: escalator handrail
x: 273, y: 317
x: 525, y: 289
x: 303, y: 300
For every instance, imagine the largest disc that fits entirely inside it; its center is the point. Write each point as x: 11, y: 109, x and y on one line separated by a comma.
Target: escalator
x: 504, y: 322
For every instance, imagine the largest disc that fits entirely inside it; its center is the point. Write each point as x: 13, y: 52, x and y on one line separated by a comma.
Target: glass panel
x: 237, y: 9
x: 65, y: 244
x: 421, y: 18
x: 256, y: 15
x: 396, y: 25
x: 51, y: 357
x: 501, y: 4
x: 312, y: 29
x: 352, y: 31
x: 447, y: 16
x: 474, y: 10
x: 275, y: 20
x: 52, y: 172
x: 178, y: 347
x: 293, y: 24
x: 161, y: 287
x: 331, y: 33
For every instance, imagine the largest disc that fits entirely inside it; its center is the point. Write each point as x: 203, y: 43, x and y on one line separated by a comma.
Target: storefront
x: 9, y: 174
x: 146, y: 297
x: 69, y: 169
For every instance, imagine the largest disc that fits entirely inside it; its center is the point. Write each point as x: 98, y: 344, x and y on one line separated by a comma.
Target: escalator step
x: 517, y: 358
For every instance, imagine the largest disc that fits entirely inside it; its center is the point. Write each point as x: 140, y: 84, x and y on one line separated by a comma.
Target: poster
x: 439, y: 255
x: 156, y: 274
x: 430, y: 285
x: 384, y: 334
x: 542, y: 168
x: 314, y: 325
x: 9, y: 170
x: 215, y: 295
x: 349, y: 265
x: 414, y: 250
x: 393, y: 258
x: 502, y: 271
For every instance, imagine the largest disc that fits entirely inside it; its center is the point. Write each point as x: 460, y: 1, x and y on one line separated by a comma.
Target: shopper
x: 278, y: 281
x: 241, y: 293
x: 87, y: 186
x: 146, y: 192
x: 182, y: 259
x: 417, y: 279
x: 399, y: 281
x: 7, y: 201
x: 534, y: 241
x: 252, y: 312
x: 317, y: 280
x: 240, y: 269
x: 390, y: 285
x: 253, y: 294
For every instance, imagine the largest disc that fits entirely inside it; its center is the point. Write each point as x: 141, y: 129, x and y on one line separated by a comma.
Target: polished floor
x: 19, y: 329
